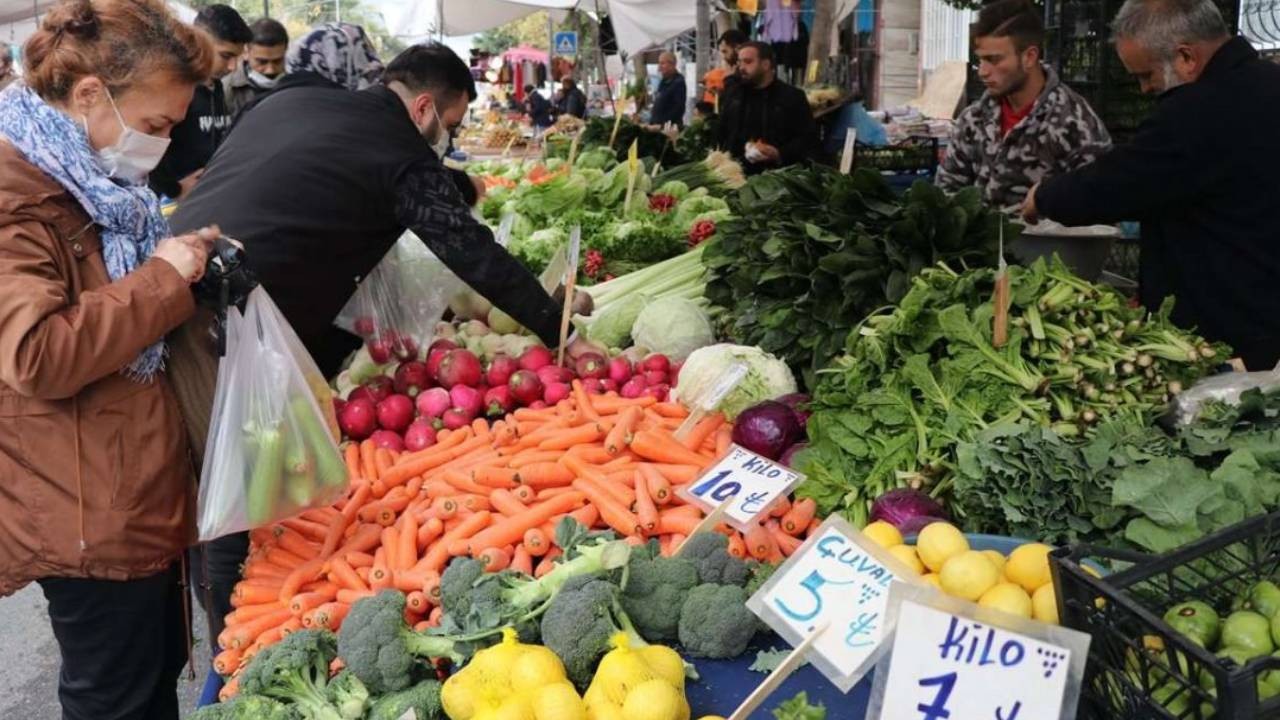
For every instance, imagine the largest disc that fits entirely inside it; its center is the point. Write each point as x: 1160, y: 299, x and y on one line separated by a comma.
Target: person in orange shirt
x: 718, y: 80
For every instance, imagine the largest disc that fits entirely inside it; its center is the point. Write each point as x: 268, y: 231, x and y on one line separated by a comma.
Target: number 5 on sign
x: 751, y: 481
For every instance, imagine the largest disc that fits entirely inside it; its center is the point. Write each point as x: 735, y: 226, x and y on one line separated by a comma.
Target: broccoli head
x: 423, y: 699
x: 246, y: 707
x: 579, y: 623
x: 381, y: 650
x: 716, y: 623
x: 710, y: 552
x: 655, y: 589
x: 349, y: 695
x: 296, y: 671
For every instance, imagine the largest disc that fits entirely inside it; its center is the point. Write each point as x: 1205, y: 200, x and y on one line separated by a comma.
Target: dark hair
x: 734, y: 37
x: 569, y: 81
x: 705, y: 107
x: 1015, y: 19
x: 434, y: 68
x: 764, y: 50
x: 269, y: 33
x: 119, y: 41
x: 224, y: 24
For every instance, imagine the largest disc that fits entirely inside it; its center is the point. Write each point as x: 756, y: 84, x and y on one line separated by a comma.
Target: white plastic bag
x: 1226, y: 388
x: 272, y: 449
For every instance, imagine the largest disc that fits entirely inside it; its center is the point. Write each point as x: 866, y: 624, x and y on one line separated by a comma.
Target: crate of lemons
x: 1019, y: 584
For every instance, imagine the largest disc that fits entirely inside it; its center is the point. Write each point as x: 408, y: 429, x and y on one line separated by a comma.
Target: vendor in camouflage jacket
x: 1028, y: 125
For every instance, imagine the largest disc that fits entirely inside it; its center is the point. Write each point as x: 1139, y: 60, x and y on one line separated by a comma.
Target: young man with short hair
x: 764, y: 122
x: 721, y: 80
x: 1028, y: 125
x: 262, y: 67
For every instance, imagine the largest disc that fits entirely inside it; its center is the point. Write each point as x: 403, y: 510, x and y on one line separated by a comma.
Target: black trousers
x: 215, y: 570
x: 123, y: 645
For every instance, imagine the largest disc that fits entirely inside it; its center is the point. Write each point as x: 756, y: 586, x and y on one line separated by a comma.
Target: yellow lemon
x: 883, y: 534
x: 938, y: 542
x: 536, y: 666
x: 458, y: 696
x: 996, y: 559
x: 665, y: 663
x: 516, y: 707
x: 968, y: 575
x: 558, y: 701
x: 932, y: 579
x: 1044, y: 604
x: 1028, y: 566
x: 907, y: 556
x: 711, y: 717
x: 652, y: 700
x: 604, y: 711
x: 1009, y: 598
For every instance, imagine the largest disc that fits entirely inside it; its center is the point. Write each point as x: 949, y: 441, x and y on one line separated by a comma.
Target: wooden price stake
x: 633, y: 165
x: 706, y: 403
x: 570, y: 280
x: 1000, y: 321
x: 573, y: 148
x: 846, y: 158
x: 617, y: 123
x: 778, y: 676
x: 708, y: 523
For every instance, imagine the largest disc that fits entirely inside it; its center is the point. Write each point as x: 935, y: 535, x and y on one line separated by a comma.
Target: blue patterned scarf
x: 127, y: 215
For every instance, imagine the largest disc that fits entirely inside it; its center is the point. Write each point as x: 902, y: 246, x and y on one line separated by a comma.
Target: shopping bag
x: 271, y: 451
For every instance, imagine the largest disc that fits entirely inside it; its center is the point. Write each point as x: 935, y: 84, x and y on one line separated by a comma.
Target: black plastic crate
x: 1139, y: 667
x: 916, y: 155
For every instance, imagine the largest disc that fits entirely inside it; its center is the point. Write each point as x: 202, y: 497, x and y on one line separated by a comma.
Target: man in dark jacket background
x: 672, y: 95
x: 208, y: 119
x: 1200, y: 175
x: 764, y: 122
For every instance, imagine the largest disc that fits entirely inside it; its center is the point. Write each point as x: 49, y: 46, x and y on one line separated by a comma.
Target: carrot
x: 786, y: 543
x: 671, y: 544
x: 594, y: 454
x: 331, y: 615
x: 416, y: 602
x: 536, y: 542
x: 614, y: 513
x: 368, y: 465
x: 391, y: 546
x: 495, y: 477
x: 705, y: 428
x: 226, y: 661
x: 737, y: 546
x: 529, y: 457
x: 245, y: 613
x: 351, y: 597
x: 506, y: 503
x: 625, y: 495
x: 462, y: 483
x: 430, y: 530
x: 584, y: 402
x: 611, y: 404
x: 382, y: 461
x: 572, y: 437
x: 724, y: 438
x: 407, y: 551
x: 263, y: 570
x: 761, y: 545
x: 494, y: 559
x: 380, y: 577
x: 522, y: 561
x: 799, y: 517
x: 349, y: 513
x: 344, y: 575
x: 435, y: 557
x: 512, y: 529
x: 254, y: 594
x: 365, y: 538
x: 305, y: 601
x: 547, y: 564
x: 660, y: 446
x: 475, y: 503
x: 586, y: 516
x: 229, y: 690
x: 657, y: 484
x: 529, y: 415
x: 669, y: 523
x: 582, y: 469
x: 269, y: 637
x: 244, y: 634
x: 314, y: 532
x: 779, y: 507
x: 299, y: 546
x: 304, y: 573
x: 526, y: 494
x: 677, y: 474
x: 545, y: 474
x: 420, y: 462
x: 351, y: 454
x: 358, y: 559
x: 290, y: 627
x: 646, y: 510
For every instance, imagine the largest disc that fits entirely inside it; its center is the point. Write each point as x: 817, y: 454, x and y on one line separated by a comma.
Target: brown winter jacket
x: 95, y: 479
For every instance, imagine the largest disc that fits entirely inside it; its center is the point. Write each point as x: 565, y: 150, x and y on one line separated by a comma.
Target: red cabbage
x: 767, y: 429
x: 799, y: 404
x: 907, y: 509
x: 788, y: 457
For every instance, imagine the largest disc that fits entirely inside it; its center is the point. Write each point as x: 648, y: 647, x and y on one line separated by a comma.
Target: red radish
x: 501, y: 367
x: 658, y: 392
x: 620, y: 370
x: 459, y: 367
x: 380, y: 388
x: 432, y: 403
x: 525, y: 386
x: 556, y: 392
x: 405, y: 349
x: 554, y: 373
x: 538, y: 405
x: 339, y: 403
x: 379, y: 350
x: 359, y: 419
x: 593, y: 386
x: 388, y: 439
x: 634, y: 388
x: 395, y: 413
x: 609, y: 385
x: 412, y: 378
x: 536, y: 357
x: 359, y: 393
x: 592, y: 366
x: 420, y: 435
x: 366, y: 326
x: 436, y: 353
x: 455, y: 418
x: 467, y: 399
x: 656, y: 362
x: 442, y: 344
x: 498, y: 401
x: 654, y: 377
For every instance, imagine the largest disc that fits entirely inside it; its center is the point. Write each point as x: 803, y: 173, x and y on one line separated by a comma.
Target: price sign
x: 846, y: 158
x: 752, y: 481
x: 617, y: 122
x: 811, y: 77
x: 633, y: 165
x: 954, y: 659
x: 840, y: 579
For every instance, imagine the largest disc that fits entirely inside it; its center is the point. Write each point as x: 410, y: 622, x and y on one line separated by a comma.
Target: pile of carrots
x: 493, y: 493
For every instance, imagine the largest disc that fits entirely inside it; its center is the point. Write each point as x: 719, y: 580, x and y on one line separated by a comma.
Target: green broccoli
x: 582, y: 618
x: 710, y: 552
x: 716, y: 623
x: 423, y: 699
x: 246, y: 707
x: 760, y: 574
x: 654, y: 589
x: 295, y: 671
x: 349, y: 695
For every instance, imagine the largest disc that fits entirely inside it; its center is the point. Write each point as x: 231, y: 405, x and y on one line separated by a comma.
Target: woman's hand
x: 189, y: 253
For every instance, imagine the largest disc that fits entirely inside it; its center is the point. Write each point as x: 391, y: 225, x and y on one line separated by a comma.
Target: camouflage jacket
x: 1060, y: 134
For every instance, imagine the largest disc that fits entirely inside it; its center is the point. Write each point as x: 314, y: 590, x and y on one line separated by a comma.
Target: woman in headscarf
x: 338, y: 52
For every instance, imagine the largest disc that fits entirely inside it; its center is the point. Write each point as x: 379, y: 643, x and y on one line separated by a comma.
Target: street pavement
x: 29, y: 660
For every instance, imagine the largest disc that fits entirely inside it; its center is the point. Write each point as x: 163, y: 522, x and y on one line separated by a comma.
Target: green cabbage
x: 674, y: 188
x: 767, y: 377
x: 692, y: 207
x: 674, y: 327
x: 536, y: 249
x: 611, y: 327
x: 600, y: 158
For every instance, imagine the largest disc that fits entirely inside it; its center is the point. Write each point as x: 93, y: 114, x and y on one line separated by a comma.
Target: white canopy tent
x: 20, y: 18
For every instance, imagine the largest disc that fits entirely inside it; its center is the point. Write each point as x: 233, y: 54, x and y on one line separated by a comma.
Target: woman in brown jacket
x: 95, y: 481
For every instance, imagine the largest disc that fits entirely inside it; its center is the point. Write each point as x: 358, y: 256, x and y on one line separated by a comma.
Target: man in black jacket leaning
x: 1200, y: 175
x: 764, y: 122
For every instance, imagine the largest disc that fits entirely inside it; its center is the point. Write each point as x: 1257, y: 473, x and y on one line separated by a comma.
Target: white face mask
x: 134, y: 154
x: 440, y: 145
x: 262, y: 81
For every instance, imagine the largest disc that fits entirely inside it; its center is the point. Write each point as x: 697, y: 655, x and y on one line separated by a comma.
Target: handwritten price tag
x: 953, y: 659
x: 839, y: 579
x: 752, y: 481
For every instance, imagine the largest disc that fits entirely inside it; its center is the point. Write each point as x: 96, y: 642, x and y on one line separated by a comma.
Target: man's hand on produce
x: 583, y: 303
x: 769, y: 152
x: 1029, y: 211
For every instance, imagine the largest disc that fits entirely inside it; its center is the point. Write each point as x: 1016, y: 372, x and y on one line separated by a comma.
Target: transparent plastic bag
x: 1226, y: 388
x: 271, y: 450
x: 396, y: 308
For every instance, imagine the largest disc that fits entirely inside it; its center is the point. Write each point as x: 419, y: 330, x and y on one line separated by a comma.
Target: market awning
x: 525, y: 53
x: 20, y: 18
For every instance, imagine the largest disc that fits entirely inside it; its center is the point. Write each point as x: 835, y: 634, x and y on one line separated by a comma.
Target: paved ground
x: 29, y: 660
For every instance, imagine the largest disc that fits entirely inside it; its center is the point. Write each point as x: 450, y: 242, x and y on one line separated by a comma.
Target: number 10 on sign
x: 750, y: 482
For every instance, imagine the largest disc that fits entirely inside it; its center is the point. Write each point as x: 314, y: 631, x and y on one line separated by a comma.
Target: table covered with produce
x: 524, y: 534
